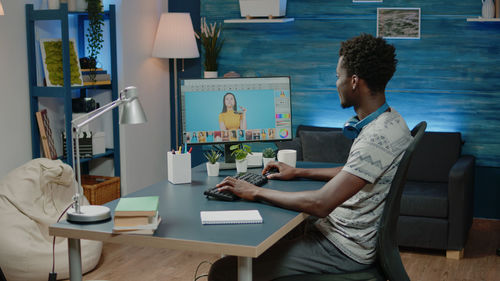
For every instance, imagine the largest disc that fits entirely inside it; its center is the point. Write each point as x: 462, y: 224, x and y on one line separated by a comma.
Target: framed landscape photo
x: 51, y: 50
x: 398, y: 23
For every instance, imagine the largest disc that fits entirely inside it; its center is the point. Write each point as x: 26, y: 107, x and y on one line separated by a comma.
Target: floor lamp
x: 132, y: 113
x: 175, y: 40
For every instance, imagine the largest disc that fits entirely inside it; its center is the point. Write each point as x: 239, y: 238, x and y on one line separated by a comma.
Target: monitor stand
x: 229, y: 162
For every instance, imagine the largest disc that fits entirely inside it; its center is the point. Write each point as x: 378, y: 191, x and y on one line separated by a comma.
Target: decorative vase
x: 267, y: 160
x: 213, y: 169
x: 241, y: 165
x: 488, y: 10
x: 210, y: 74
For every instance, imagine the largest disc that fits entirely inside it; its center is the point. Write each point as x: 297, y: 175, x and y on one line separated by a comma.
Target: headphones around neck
x: 353, y: 126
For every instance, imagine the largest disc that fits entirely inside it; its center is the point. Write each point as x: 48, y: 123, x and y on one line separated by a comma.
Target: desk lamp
x: 175, y: 39
x: 132, y: 113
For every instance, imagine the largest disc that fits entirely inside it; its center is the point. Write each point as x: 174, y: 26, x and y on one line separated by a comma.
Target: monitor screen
x: 225, y: 110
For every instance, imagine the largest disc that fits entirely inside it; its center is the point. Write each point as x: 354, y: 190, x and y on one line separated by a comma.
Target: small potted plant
x: 268, y: 155
x: 212, y: 164
x: 211, y: 40
x: 240, y: 153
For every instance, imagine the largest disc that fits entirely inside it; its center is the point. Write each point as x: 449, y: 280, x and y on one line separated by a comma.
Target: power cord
x: 197, y: 268
x: 52, y: 274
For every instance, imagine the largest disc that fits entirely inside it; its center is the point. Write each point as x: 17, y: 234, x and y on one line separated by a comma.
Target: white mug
x: 288, y: 156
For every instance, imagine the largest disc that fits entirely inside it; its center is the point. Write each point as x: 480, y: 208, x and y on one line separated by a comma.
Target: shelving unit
x: 67, y: 91
x: 257, y: 20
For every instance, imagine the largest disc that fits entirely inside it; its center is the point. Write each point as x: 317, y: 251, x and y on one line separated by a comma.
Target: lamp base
x: 89, y: 213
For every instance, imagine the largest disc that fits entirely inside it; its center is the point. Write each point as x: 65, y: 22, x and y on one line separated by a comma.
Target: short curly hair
x: 370, y: 58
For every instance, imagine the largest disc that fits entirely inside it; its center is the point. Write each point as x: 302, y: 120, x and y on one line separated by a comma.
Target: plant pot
x: 81, y: 5
x: 213, y: 169
x: 210, y: 74
x: 267, y: 160
x: 241, y: 165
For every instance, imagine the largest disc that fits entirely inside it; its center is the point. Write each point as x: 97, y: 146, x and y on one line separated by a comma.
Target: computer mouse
x: 272, y: 170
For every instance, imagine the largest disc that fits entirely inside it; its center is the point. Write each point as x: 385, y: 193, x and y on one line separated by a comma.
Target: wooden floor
x: 480, y: 263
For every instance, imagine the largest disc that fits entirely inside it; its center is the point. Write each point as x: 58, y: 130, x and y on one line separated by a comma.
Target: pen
x: 185, y: 148
x: 191, y: 148
x: 180, y: 147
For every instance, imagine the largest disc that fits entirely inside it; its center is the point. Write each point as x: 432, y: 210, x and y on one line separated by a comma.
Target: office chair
x: 2, y: 277
x: 388, y: 265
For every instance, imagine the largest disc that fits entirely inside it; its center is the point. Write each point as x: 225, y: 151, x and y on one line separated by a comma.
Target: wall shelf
x: 484, y: 19
x: 257, y: 20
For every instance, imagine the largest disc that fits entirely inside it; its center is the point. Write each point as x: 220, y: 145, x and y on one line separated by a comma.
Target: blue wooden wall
x: 450, y: 77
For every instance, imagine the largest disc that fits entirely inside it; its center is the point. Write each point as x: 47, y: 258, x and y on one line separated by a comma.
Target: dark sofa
x: 436, y: 206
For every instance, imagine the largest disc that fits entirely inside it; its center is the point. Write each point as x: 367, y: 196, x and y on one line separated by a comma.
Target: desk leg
x: 75, y: 260
x: 244, y: 269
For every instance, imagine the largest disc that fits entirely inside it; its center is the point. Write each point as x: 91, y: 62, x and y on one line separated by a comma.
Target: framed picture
x: 367, y: 1
x: 52, y: 62
x: 398, y: 23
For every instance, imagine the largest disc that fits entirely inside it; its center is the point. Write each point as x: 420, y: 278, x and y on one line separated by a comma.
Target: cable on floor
x: 197, y: 268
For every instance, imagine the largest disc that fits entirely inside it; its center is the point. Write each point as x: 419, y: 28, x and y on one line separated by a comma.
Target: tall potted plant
x: 211, y: 40
x: 240, y: 153
x: 94, y: 34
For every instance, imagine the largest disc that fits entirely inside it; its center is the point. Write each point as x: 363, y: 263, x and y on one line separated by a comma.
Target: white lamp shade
x: 1, y: 10
x: 175, y: 37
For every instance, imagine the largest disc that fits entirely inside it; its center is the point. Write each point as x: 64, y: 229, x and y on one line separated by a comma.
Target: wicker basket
x: 100, y: 189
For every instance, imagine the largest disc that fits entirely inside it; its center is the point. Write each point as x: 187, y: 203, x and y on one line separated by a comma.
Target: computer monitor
x: 235, y: 110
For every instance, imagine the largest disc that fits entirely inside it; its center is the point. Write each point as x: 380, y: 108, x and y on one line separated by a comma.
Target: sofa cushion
x: 321, y: 146
x: 434, y: 157
x: 425, y: 199
x: 430, y: 233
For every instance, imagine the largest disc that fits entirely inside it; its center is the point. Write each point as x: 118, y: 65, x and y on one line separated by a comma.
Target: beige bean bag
x: 31, y: 198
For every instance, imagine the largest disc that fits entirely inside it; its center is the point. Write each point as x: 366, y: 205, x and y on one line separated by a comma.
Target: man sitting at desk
x: 350, y: 204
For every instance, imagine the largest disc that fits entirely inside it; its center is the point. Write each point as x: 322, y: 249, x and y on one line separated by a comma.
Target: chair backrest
x: 387, y: 247
x: 2, y: 277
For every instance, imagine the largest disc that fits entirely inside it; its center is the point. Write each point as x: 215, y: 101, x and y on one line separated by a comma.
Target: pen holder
x: 179, y: 167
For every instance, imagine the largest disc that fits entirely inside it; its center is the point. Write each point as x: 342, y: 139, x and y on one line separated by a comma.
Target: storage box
x: 255, y: 159
x: 98, y: 143
x: 100, y: 189
x: 179, y: 167
x: 263, y: 8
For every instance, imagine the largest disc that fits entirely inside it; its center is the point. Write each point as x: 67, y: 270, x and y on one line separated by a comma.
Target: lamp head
x: 132, y: 112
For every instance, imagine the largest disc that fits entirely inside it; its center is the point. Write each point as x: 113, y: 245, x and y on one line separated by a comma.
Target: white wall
x: 143, y: 146
x: 15, y: 127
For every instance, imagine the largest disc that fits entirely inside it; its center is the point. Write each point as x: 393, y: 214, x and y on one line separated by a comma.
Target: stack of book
x: 137, y: 215
x: 101, y: 77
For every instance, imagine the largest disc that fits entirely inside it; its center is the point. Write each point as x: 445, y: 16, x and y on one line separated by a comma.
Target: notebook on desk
x: 230, y: 217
